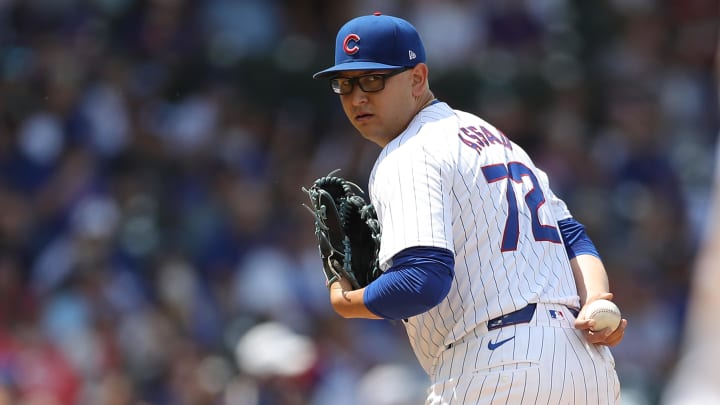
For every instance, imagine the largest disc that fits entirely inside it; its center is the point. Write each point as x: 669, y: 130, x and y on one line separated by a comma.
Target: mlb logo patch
x: 556, y: 314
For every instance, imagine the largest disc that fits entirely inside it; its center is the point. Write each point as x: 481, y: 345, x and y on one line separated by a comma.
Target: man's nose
x: 358, y: 96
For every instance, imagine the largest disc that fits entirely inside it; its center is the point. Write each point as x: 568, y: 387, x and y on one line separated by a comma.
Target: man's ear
x: 419, y: 78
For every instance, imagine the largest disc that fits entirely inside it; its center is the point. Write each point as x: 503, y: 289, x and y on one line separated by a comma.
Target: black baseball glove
x: 347, y: 230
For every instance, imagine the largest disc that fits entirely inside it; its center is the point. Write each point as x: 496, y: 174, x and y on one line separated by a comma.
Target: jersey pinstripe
x: 452, y: 180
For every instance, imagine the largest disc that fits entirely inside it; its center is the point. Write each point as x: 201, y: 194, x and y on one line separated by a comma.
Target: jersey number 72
x: 534, y: 199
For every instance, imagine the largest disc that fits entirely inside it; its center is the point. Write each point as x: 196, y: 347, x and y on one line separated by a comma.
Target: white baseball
x: 605, y: 313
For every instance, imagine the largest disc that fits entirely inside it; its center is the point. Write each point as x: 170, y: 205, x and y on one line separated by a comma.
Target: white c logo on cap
x: 348, y: 49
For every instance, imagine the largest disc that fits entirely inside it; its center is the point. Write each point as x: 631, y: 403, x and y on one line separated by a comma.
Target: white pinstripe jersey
x: 453, y: 181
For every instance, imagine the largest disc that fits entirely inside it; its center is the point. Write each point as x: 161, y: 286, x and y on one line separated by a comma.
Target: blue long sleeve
x: 576, y: 240
x: 418, y: 280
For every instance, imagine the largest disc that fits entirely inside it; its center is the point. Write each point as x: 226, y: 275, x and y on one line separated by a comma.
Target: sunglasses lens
x: 341, y: 86
x: 372, y: 83
x: 367, y: 83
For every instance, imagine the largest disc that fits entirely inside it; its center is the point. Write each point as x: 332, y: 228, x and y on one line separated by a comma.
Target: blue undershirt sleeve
x: 576, y: 241
x: 418, y: 280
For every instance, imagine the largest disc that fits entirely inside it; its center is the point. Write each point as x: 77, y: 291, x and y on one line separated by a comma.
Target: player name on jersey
x: 480, y: 137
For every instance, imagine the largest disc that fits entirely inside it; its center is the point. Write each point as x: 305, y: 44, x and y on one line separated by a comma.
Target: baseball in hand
x: 605, y: 313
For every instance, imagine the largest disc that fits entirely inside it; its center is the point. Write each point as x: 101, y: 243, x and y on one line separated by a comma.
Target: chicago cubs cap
x: 374, y: 42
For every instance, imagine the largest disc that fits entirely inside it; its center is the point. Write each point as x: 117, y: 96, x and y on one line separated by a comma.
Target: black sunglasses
x: 369, y: 83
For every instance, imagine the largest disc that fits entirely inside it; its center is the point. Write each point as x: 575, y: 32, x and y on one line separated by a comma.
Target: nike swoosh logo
x: 493, y: 346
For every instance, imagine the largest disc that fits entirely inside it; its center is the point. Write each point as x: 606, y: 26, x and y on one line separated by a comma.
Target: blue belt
x: 523, y: 315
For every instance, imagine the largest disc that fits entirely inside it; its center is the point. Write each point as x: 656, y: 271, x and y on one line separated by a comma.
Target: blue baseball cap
x: 375, y: 42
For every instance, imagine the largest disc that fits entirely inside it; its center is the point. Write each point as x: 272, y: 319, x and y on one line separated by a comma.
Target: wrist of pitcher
x: 594, y: 296
x: 339, y: 284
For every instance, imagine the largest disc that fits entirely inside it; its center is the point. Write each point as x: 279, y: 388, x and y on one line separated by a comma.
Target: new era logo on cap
x: 375, y: 42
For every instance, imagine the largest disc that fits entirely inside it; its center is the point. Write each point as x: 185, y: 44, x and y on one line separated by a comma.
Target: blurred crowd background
x: 153, y: 246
